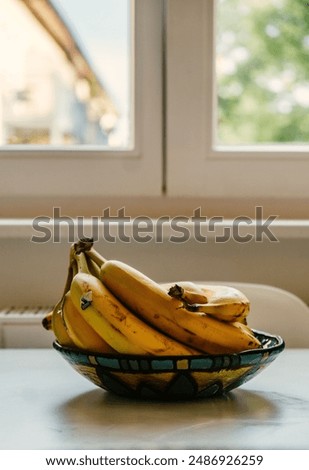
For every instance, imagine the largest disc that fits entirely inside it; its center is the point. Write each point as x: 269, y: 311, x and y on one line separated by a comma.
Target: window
x: 67, y: 128
x: 195, y: 130
x: 197, y: 165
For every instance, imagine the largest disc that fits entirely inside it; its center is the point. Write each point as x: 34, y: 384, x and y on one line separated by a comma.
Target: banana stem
x: 94, y: 268
x: 176, y: 291
x: 74, y: 267
x: 82, y: 264
x: 96, y: 256
x: 68, y: 280
x: 187, y: 296
x: 84, y: 244
x: 66, y: 289
x: 72, y: 253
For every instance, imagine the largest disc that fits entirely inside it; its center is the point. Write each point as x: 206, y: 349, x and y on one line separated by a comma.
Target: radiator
x: 21, y: 327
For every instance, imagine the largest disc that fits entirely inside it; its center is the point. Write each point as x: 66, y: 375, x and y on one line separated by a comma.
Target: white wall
x: 34, y: 273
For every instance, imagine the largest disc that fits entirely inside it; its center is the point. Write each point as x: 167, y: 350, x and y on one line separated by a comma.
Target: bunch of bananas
x: 109, y: 307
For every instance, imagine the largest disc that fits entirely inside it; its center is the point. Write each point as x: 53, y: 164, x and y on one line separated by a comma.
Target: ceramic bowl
x: 174, y: 377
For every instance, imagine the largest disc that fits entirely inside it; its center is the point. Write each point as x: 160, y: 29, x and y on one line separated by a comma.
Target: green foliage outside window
x: 262, y: 71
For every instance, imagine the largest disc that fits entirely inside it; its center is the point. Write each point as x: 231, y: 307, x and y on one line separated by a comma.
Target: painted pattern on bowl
x: 172, y: 378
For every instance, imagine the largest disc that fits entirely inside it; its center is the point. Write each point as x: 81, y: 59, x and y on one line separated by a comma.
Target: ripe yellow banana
x: 151, y: 302
x: 54, y: 319
x: 81, y: 333
x: 115, y: 323
x: 59, y: 328
x: 222, y: 302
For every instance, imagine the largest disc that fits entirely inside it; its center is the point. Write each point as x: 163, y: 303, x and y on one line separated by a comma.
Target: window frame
x: 173, y: 168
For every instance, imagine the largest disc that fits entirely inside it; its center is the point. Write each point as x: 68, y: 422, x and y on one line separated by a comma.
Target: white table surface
x: 45, y: 404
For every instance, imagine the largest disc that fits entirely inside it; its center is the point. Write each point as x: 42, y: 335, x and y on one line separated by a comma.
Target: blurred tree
x: 262, y: 71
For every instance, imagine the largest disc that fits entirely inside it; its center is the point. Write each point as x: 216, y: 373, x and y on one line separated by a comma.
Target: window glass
x: 262, y: 72
x: 65, y: 72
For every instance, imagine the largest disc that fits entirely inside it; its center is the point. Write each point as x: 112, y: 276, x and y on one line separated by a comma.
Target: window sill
x: 153, y: 206
x: 24, y: 228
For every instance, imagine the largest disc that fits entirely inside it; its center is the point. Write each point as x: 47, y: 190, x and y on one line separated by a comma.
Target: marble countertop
x: 45, y: 404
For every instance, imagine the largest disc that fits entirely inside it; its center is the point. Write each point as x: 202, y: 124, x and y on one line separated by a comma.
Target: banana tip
x: 46, y: 322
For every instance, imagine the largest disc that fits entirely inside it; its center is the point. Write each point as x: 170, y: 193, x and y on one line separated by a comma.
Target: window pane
x: 65, y: 72
x: 262, y: 72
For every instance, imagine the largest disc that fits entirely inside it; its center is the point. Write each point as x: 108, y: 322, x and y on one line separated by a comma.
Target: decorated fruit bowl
x: 173, y: 377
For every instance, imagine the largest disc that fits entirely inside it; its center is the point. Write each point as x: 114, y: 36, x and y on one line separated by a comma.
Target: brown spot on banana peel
x: 116, y: 329
x: 116, y: 313
x: 191, y: 333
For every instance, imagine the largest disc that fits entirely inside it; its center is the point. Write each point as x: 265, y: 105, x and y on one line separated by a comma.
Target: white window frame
x: 174, y: 166
x: 196, y: 166
x: 33, y: 172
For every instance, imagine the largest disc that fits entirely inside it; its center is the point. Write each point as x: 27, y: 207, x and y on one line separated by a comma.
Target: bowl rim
x: 278, y: 346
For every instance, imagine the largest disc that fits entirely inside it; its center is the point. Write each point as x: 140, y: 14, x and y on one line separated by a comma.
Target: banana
x: 59, y: 327
x: 54, y: 319
x: 83, y: 336
x: 151, y: 302
x: 222, y: 302
x: 132, y: 314
x: 116, y: 324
